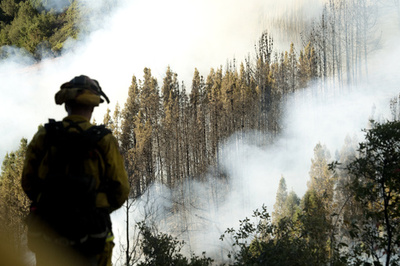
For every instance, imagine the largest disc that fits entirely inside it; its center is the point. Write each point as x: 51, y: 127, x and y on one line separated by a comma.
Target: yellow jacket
x: 36, y: 167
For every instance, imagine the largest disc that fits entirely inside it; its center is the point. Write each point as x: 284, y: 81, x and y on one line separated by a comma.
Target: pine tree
x: 265, y: 90
x: 68, y: 26
x: 292, y: 70
x: 307, y: 66
x: 229, y: 102
x: 142, y: 155
x: 184, y: 113
x: 146, y: 130
x: 281, y: 197
x: 213, y: 91
x: 196, y: 124
x: 116, y: 125
x: 249, y: 109
x: 129, y: 113
x: 321, y: 178
x: 292, y: 205
x: 170, y: 125
x: 107, y: 120
x: 315, y: 227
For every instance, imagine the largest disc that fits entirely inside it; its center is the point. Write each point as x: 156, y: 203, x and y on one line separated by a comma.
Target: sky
x: 188, y: 34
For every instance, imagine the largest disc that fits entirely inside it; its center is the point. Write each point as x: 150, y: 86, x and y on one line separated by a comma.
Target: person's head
x: 80, y: 95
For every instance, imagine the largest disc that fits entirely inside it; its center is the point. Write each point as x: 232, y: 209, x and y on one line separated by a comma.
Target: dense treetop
x: 41, y: 32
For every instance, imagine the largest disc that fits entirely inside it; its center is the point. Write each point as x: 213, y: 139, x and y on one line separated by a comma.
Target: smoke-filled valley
x: 237, y: 105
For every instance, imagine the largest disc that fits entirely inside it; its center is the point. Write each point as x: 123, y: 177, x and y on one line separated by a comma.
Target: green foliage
x: 285, y: 243
x: 281, y: 197
x: 292, y: 205
x: 27, y: 24
x: 286, y: 204
x: 376, y: 184
x: 314, y: 227
x: 350, y: 214
x: 14, y: 204
x: 249, y: 233
x: 161, y: 249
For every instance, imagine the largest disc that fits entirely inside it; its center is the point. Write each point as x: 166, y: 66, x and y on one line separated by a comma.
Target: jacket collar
x: 76, y: 118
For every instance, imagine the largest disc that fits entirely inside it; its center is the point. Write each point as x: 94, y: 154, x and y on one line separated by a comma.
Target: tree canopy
x: 41, y: 32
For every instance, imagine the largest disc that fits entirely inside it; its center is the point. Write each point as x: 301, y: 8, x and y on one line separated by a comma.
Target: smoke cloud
x: 57, y: 6
x: 123, y: 39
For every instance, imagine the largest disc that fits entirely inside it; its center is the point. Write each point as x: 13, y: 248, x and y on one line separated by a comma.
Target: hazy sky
x: 188, y: 34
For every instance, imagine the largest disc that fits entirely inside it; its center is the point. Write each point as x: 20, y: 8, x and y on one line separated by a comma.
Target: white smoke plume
x: 136, y: 34
x: 124, y: 39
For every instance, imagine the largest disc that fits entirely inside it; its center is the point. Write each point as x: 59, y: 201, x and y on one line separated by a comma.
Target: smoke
x: 56, y: 5
x: 121, y: 39
x: 254, y: 170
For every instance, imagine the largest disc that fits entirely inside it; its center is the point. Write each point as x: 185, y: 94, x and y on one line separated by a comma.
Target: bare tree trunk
x: 357, y: 43
x: 127, y: 251
x: 365, y: 28
x: 324, y: 52
x: 339, y: 57
x: 347, y: 44
x: 333, y: 39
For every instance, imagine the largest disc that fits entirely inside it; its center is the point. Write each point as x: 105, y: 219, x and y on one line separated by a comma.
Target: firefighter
x: 80, y: 96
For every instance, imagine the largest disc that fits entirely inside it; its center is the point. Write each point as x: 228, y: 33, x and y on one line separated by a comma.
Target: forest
x: 172, y: 134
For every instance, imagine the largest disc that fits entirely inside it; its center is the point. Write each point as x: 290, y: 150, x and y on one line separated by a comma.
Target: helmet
x: 81, y: 90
